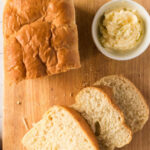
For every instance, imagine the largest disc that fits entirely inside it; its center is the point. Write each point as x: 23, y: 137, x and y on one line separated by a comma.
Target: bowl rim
x: 142, y: 46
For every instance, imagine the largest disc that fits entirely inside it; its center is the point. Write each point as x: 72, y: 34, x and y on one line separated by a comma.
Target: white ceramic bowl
x: 146, y: 38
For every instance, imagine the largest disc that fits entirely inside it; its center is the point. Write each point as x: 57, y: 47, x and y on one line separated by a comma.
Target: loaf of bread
x: 61, y: 128
x: 129, y: 100
x: 40, y: 38
x: 104, y: 117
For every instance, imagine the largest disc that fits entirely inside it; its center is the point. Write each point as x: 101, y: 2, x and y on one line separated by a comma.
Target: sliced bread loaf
x: 129, y: 99
x: 104, y: 117
x: 61, y: 128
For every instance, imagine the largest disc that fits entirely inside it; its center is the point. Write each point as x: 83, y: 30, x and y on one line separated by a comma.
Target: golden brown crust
x: 84, y: 126
x: 40, y: 38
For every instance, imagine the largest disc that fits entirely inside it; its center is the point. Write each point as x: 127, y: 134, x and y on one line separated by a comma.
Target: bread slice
x: 40, y: 38
x: 104, y: 117
x: 61, y: 128
x: 129, y: 99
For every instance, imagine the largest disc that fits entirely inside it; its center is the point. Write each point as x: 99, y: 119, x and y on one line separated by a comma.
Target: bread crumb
x: 52, y: 89
x: 18, y: 102
x: 25, y: 123
x: 71, y: 94
x: 84, y: 84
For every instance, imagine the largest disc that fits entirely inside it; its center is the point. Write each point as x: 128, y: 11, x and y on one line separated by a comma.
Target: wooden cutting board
x: 27, y: 101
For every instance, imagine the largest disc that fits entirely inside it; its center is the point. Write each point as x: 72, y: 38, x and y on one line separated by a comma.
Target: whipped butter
x: 121, y: 29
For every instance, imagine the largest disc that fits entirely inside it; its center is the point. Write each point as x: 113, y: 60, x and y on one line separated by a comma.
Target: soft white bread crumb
x: 129, y: 99
x: 106, y: 120
x: 61, y: 128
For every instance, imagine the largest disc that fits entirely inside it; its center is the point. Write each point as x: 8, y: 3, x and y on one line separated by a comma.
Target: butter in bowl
x: 120, y: 29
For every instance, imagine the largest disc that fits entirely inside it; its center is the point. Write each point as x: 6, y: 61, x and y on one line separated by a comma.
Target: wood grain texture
x: 1, y: 71
x: 36, y: 96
